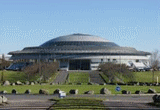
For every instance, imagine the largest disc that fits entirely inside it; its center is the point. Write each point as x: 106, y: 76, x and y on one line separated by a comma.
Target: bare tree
x: 154, y: 62
x: 46, y: 70
x: 3, y: 64
x: 112, y: 70
x: 31, y: 70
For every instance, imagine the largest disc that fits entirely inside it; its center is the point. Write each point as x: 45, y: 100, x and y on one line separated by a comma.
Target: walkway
x: 95, y: 77
x: 61, y: 77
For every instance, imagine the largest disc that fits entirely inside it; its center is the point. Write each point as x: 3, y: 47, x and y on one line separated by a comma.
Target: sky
x: 128, y: 23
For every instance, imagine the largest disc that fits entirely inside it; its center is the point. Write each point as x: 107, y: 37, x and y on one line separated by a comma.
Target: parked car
x: 133, y: 69
x: 158, y: 68
x: 147, y: 68
x: 140, y: 69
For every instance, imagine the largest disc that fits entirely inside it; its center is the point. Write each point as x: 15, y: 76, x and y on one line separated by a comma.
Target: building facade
x: 80, y: 52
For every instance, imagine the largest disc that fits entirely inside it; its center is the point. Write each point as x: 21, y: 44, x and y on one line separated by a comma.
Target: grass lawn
x: 105, y: 78
x: 146, y: 76
x: 140, y: 77
x: 78, y: 78
x: 81, y: 88
x: 13, y: 76
x: 78, y: 103
x: 53, y: 77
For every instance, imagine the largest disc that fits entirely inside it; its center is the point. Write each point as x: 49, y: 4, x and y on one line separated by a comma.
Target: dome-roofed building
x: 80, y: 52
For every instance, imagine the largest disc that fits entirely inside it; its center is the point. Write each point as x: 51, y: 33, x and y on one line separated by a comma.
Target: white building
x: 80, y: 52
x: 6, y: 57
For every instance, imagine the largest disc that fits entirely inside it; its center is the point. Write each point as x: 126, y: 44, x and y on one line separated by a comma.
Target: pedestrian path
x: 95, y: 77
x: 61, y: 77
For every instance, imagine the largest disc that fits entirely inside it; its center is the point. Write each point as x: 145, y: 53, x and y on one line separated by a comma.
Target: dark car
x: 140, y: 69
x: 147, y: 68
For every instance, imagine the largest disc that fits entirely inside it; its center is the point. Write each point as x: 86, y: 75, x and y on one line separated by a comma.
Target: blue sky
x: 133, y: 23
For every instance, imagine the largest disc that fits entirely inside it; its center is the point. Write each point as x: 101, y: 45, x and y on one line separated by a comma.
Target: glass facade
x: 79, y: 65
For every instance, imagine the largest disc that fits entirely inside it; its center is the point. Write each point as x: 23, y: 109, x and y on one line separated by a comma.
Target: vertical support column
x: 90, y: 65
x: 80, y: 64
x: 68, y: 64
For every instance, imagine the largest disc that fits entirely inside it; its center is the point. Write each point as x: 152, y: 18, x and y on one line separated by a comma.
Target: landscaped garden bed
x: 77, y: 103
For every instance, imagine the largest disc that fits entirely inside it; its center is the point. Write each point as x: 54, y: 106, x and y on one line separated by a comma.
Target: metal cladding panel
x: 73, y: 38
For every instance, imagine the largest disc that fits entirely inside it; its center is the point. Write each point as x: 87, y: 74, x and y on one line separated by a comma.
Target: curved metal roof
x: 81, y: 50
x: 80, y: 43
x: 76, y: 38
x: 79, y: 37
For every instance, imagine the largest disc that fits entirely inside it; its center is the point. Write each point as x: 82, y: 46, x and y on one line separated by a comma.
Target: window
x: 94, y: 66
x: 95, y: 62
x: 63, y: 66
x: 114, y: 60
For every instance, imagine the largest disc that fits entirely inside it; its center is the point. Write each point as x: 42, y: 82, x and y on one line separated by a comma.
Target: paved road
x: 41, y: 102
x: 129, y: 102
x: 27, y: 105
x: 121, y: 105
x: 27, y: 102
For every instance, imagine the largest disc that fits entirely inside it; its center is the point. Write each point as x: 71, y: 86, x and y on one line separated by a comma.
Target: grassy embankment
x: 146, y: 76
x: 14, y: 76
x: 78, y: 78
x: 78, y: 103
x: 140, y: 77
